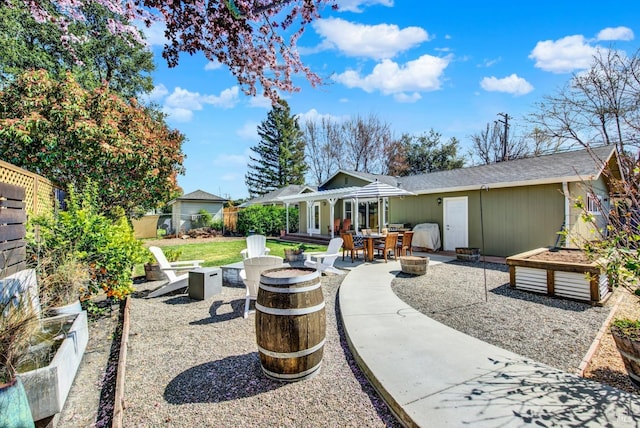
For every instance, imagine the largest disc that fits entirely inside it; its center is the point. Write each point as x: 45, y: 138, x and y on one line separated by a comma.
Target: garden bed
x: 564, y: 273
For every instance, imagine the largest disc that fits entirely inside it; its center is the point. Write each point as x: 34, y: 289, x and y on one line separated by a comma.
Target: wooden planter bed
x: 564, y: 273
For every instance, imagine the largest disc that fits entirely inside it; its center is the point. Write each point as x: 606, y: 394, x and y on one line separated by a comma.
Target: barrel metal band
x: 291, y: 376
x: 289, y: 311
x: 289, y: 290
x: 301, y: 353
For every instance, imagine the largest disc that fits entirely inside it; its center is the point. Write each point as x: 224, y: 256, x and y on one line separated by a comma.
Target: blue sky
x: 416, y: 65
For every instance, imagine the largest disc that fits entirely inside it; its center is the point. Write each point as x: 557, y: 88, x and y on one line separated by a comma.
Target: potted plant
x: 295, y: 253
x: 17, y: 323
x: 152, y: 269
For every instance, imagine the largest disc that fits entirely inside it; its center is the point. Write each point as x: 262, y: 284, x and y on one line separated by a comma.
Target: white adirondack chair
x: 171, y: 270
x: 256, y: 246
x: 324, y: 261
x: 250, y: 275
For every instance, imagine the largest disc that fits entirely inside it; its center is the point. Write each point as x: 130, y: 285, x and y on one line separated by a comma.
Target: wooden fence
x: 39, y: 192
x: 230, y: 216
x: 13, y: 246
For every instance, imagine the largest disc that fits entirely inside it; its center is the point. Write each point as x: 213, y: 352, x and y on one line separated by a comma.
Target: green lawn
x: 225, y: 252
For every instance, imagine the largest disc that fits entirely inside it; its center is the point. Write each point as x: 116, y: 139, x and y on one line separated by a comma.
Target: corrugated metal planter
x: 584, y: 281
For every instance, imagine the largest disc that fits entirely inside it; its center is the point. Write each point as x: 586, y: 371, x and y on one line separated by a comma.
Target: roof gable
x: 199, y: 195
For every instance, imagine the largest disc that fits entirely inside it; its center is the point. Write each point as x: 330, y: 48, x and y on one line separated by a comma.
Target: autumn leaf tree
x: 278, y: 158
x: 70, y: 135
x: 256, y: 39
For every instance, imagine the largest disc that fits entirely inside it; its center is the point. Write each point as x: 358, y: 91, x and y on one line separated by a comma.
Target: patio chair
x: 404, y: 244
x: 388, y: 245
x: 256, y: 246
x: 172, y: 270
x: 324, y: 261
x: 346, y: 225
x: 336, y: 226
x: 250, y: 275
x: 352, y: 244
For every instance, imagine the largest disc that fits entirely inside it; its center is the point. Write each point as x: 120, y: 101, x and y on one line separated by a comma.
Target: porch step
x: 315, y: 239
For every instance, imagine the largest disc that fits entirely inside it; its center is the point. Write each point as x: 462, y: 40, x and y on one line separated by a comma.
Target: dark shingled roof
x: 553, y: 168
x: 199, y: 195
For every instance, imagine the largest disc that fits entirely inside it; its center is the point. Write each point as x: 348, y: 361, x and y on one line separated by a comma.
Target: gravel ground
x: 554, y: 331
x: 194, y: 363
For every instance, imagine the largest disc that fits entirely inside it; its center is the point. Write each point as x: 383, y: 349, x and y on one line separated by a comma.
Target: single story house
x: 516, y: 206
x: 273, y: 197
x: 186, y: 209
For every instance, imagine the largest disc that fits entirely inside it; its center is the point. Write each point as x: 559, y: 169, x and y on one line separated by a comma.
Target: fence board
x: 12, y: 216
x: 10, y: 232
x: 12, y: 191
x: 13, y: 250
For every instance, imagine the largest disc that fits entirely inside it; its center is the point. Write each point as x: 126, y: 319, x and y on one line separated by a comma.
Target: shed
x: 185, y: 210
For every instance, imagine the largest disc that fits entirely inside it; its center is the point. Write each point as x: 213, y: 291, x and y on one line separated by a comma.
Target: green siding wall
x: 515, y: 219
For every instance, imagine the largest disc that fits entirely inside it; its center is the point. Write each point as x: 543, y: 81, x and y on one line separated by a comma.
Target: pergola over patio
x: 332, y: 196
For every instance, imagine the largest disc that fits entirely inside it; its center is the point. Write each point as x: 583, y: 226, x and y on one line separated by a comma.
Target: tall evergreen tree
x: 279, y: 156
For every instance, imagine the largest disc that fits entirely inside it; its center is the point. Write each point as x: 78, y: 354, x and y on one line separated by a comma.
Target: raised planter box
x: 542, y: 271
x: 468, y: 254
x: 48, y: 387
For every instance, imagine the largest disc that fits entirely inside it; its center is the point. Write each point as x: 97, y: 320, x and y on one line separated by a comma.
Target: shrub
x: 204, y: 220
x: 106, y: 244
x: 266, y: 220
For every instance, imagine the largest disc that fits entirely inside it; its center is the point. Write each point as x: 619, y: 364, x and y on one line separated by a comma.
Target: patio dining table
x: 368, y: 243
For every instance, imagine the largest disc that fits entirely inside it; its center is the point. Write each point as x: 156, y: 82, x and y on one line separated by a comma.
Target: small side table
x: 205, y: 282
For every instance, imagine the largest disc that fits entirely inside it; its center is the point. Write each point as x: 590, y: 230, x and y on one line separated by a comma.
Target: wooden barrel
x: 629, y: 349
x: 290, y: 323
x: 414, y: 265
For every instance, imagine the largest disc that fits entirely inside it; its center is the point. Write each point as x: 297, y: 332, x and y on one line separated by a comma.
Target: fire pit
x: 563, y: 273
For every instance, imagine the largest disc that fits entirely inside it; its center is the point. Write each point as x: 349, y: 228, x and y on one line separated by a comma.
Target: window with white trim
x: 348, y: 210
x: 594, y: 204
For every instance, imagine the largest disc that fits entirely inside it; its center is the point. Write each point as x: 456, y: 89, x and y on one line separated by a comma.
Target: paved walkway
x: 433, y: 376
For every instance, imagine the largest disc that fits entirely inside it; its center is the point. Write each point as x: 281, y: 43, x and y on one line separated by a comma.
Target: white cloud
x: 355, y: 5
x: 372, y: 41
x: 511, y: 84
x: 314, y: 116
x: 228, y: 98
x: 154, y: 34
x: 407, y: 98
x: 249, y: 131
x: 212, y: 65
x: 178, y: 114
x: 182, y: 98
x: 157, y: 93
x: 181, y: 103
x: 616, y: 33
x: 388, y: 77
x: 564, y: 55
x: 260, y: 101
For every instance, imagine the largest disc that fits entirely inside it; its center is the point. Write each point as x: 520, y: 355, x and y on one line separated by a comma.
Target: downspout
x: 567, y: 208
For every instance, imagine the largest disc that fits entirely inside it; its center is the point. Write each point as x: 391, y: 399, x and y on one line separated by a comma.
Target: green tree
x: 71, y: 135
x: 279, y: 156
x: 426, y: 153
x: 121, y: 61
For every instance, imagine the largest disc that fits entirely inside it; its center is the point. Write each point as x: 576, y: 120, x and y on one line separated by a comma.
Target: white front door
x: 456, y: 223
x: 314, y: 219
